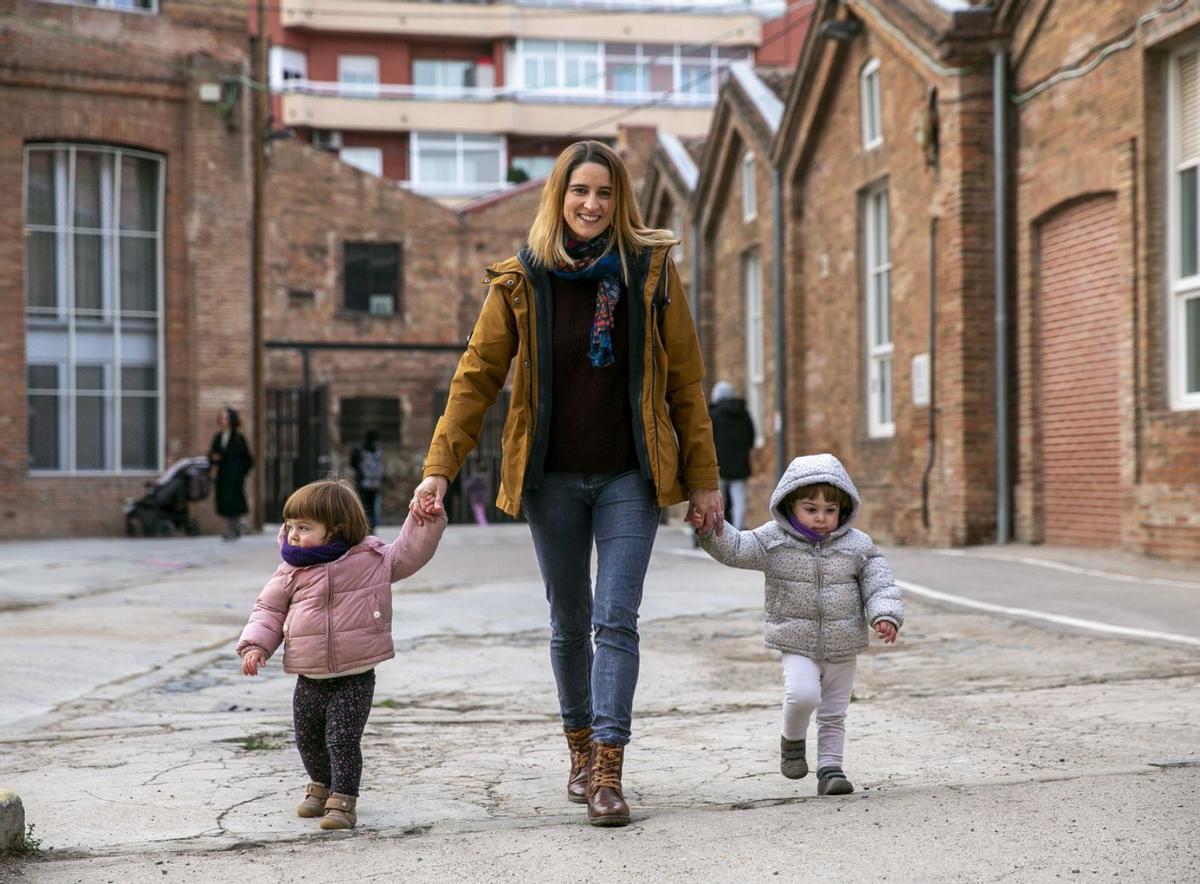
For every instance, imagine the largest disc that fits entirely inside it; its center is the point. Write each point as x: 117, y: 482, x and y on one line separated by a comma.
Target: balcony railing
x: 498, y: 93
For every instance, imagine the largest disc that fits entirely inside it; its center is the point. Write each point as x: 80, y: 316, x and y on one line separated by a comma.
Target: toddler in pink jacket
x: 330, y: 604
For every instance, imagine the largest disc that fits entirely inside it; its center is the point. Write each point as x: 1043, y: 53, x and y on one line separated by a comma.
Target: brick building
x: 1106, y: 281
x: 733, y: 208
x: 125, y: 166
x: 885, y: 152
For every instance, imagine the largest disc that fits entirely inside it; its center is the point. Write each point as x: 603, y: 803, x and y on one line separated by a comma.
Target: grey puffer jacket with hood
x: 820, y: 596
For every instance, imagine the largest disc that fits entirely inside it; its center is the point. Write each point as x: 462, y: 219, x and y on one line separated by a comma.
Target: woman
x: 231, y: 456
x: 733, y: 433
x: 606, y: 424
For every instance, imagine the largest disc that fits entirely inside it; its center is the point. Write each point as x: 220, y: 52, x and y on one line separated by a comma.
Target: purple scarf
x: 303, y: 556
x: 805, y: 532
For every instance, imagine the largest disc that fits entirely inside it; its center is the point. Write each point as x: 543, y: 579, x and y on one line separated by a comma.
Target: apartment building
x: 461, y: 99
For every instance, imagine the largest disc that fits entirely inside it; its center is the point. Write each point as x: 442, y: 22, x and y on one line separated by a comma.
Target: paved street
x: 988, y: 744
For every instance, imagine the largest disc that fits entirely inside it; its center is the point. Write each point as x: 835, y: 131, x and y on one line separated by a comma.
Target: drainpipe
x: 780, y: 337
x: 933, y: 227
x: 999, y: 163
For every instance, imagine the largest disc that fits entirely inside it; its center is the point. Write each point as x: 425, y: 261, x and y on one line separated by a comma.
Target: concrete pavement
x: 983, y: 747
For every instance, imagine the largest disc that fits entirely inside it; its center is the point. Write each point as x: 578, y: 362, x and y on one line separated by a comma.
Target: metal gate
x: 482, y: 465
x: 297, y: 443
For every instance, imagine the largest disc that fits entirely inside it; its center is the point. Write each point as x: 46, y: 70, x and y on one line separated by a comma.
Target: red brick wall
x: 317, y: 204
x: 90, y: 75
x: 826, y: 333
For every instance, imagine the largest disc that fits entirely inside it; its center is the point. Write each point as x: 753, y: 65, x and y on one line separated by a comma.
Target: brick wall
x: 826, y: 286
x: 316, y: 204
x: 75, y: 74
x: 1104, y: 134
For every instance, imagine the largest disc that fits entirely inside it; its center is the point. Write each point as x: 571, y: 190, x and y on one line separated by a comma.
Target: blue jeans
x: 565, y: 512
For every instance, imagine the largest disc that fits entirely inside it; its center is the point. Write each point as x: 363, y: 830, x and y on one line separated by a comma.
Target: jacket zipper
x: 662, y: 279
x: 639, y: 437
x: 820, y: 605
x: 329, y: 620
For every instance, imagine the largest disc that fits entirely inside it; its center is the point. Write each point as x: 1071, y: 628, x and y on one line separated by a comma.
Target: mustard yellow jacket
x: 672, y: 430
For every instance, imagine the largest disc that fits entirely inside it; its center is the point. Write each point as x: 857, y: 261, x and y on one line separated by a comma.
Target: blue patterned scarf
x: 587, y: 263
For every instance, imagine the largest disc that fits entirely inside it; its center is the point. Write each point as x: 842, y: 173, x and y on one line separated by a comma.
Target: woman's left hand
x: 706, y: 511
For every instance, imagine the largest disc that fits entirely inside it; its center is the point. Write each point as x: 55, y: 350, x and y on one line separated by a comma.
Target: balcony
x: 550, y: 112
x: 696, y: 21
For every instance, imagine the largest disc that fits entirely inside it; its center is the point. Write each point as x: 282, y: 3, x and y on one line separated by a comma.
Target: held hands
x: 252, y: 660
x: 706, y: 512
x: 887, y: 631
x: 426, y: 503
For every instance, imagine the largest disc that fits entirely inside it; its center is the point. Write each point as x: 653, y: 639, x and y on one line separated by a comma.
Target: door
x: 297, y: 444
x: 1081, y: 287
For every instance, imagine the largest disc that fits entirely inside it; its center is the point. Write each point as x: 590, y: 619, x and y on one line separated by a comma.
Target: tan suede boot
x: 340, y: 812
x: 314, y: 801
x: 606, y: 800
x: 580, y: 743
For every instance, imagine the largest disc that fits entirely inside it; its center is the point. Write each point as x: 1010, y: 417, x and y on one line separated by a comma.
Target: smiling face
x: 588, y: 202
x: 306, y: 532
x: 816, y: 514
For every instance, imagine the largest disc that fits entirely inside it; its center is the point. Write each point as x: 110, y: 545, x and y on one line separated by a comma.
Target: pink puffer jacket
x: 336, y: 617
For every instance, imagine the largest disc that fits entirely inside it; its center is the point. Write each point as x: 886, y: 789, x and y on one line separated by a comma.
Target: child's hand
x: 886, y: 631
x: 252, y: 660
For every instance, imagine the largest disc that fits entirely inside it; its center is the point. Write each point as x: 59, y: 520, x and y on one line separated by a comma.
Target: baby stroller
x: 163, y: 510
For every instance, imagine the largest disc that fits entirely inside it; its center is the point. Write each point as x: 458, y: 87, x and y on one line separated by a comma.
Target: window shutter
x: 1189, y: 107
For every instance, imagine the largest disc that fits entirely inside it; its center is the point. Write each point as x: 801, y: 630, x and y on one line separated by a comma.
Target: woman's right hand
x: 426, y: 503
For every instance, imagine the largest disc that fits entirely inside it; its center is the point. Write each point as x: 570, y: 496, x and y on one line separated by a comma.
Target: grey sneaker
x: 792, y: 763
x: 831, y: 781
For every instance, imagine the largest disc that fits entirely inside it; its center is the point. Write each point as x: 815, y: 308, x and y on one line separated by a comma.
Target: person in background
x: 231, y: 457
x: 733, y: 434
x: 369, y: 471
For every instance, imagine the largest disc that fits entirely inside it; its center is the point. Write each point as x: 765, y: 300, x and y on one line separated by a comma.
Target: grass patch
x: 854, y: 698
x: 389, y: 703
x: 258, y: 743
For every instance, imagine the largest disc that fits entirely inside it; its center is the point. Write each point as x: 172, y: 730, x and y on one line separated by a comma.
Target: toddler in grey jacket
x: 825, y: 582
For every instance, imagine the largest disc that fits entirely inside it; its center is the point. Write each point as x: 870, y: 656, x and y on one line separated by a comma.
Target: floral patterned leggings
x: 329, y: 715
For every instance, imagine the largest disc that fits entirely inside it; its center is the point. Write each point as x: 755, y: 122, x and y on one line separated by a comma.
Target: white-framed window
x: 286, y: 66
x: 877, y: 269
x: 534, y: 167
x: 457, y: 163
x: 756, y: 352
x: 561, y: 65
x: 368, y: 159
x: 122, y: 5
x: 749, y: 187
x: 869, y: 100
x: 443, y: 74
x: 93, y: 308
x: 1183, y: 188
x: 358, y: 75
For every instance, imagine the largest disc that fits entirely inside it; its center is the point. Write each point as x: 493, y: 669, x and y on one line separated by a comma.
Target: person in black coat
x: 733, y: 433
x: 230, y: 456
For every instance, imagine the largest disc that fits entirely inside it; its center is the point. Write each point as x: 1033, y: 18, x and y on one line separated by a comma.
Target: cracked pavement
x: 983, y: 748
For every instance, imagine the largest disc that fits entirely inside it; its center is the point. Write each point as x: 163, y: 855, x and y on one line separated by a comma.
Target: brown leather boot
x: 340, y: 812
x: 580, y: 743
x: 606, y: 801
x: 314, y: 801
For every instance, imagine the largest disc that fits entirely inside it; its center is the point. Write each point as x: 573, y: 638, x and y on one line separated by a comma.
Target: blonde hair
x: 333, y: 503
x: 629, y: 233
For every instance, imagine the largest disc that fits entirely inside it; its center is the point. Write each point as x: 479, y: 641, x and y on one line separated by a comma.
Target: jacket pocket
x: 381, y: 608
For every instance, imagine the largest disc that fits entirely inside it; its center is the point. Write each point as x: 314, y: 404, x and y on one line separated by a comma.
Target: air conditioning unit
x: 327, y: 139
x: 381, y: 305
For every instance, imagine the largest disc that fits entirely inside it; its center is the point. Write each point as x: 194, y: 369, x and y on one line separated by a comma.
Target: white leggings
x: 825, y: 688
x: 735, y: 490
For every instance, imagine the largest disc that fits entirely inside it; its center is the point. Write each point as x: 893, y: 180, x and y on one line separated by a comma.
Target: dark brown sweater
x: 591, y: 419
